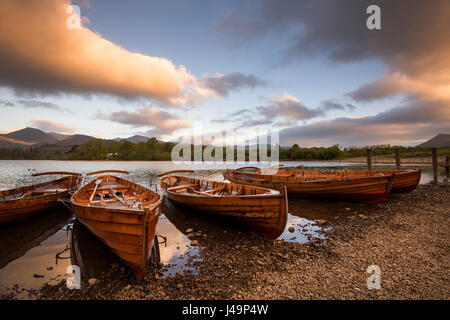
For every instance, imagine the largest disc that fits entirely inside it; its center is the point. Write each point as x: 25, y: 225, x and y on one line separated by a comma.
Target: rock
x: 291, y: 229
x: 128, y: 287
x: 122, y: 269
x: 190, y: 235
x: 93, y: 281
x: 49, y: 268
x: 254, y: 248
x: 321, y: 222
x: 194, y: 242
x: 348, y: 209
x: 179, y: 286
x: 189, y: 230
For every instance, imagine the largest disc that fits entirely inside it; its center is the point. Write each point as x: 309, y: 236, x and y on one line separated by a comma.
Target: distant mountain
x: 30, y: 135
x: 6, y: 142
x: 440, y: 141
x: 134, y: 139
x: 58, y: 136
x: 34, y: 138
x: 73, y: 140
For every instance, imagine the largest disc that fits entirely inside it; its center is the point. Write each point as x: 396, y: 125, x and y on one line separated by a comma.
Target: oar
x: 113, y: 193
x: 97, y: 182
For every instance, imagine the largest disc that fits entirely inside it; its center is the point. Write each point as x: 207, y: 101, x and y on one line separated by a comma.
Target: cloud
x: 51, y: 126
x: 6, y: 103
x: 282, y: 110
x: 327, y: 105
x: 406, y: 124
x: 33, y: 104
x: 160, y: 122
x: 223, y: 84
x: 412, y: 43
x: 41, y: 55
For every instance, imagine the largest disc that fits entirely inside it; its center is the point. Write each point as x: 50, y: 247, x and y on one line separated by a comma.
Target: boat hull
x: 15, y: 209
x: 404, y: 181
x: 365, y: 190
x: 264, y: 214
x: 128, y: 233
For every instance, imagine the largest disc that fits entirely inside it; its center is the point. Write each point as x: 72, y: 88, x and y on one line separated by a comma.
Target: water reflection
x: 27, y: 254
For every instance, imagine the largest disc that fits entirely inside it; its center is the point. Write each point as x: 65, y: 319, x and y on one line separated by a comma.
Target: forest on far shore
x: 154, y: 150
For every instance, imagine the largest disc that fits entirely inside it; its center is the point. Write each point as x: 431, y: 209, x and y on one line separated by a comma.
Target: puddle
x: 304, y: 230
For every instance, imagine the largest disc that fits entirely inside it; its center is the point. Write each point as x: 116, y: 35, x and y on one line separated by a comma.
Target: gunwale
x: 128, y: 232
x: 264, y: 212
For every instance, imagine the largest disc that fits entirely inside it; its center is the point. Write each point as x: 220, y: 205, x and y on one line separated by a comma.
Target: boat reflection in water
x: 93, y: 257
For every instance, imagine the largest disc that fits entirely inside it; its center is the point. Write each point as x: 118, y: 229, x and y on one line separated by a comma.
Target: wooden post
x: 397, y: 159
x: 447, y: 166
x: 435, y: 165
x: 369, y: 159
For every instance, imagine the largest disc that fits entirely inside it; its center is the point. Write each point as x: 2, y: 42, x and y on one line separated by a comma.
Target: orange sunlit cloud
x: 41, y: 54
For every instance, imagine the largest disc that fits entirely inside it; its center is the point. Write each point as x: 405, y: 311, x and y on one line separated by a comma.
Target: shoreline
x: 406, y: 236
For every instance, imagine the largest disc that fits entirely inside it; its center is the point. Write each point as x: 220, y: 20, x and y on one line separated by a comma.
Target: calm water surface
x: 29, y: 250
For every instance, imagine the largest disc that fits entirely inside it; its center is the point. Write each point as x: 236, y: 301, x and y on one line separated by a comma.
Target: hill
x: 440, y: 141
x: 30, y: 136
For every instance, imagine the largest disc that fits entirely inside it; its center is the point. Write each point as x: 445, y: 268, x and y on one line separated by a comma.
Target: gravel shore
x: 407, y: 236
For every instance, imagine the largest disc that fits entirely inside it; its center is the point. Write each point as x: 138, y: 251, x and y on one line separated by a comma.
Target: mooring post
x: 397, y: 159
x: 435, y: 165
x: 447, y: 166
x: 369, y: 159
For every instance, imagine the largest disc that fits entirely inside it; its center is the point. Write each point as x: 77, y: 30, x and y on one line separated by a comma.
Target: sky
x: 310, y: 70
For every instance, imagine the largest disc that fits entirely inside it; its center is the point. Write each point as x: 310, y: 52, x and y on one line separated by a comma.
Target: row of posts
x: 434, y: 162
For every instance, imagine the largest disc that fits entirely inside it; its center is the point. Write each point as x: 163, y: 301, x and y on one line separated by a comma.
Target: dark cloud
x: 223, y: 84
x: 407, y: 124
x: 33, y: 104
x: 412, y: 43
x: 160, y: 122
x: 328, y: 105
x: 5, y: 103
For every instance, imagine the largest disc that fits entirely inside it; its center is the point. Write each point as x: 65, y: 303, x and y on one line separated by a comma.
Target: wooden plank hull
x: 365, y: 190
x: 265, y: 213
x: 129, y: 233
x: 14, y: 209
x: 405, y: 181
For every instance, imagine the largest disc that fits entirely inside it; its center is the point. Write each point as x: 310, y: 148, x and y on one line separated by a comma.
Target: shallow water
x: 28, y: 250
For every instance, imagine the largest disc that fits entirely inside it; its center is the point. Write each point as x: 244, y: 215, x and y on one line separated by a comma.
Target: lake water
x: 37, y: 251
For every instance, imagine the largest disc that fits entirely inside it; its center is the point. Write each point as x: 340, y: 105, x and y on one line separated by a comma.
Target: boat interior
x: 179, y: 184
x: 46, y: 188
x: 116, y: 193
x: 307, y: 175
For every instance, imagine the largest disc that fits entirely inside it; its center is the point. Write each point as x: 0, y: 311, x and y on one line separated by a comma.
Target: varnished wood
x: 128, y: 229
x: 66, y: 173
x: 321, y: 184
x: 260, y: 209
x: 106, y: 171
x: 174, y: 171
x: 20, y: 203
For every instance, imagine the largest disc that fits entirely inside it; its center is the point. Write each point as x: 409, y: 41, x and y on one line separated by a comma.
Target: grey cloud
x: 327, y: 105
x: 160, y: 122
x: 403, y: 124
x: 223, y: 84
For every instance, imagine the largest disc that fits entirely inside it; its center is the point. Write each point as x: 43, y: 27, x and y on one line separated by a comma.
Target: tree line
x: 153, y: 150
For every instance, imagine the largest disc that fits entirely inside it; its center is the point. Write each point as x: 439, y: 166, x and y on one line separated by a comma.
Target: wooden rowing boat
x: 122, y: 214
x: 405, y: 181
x: 92, y: 255
x: 260, y: 209
x: 371, y: 189
x: 20, y: 203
